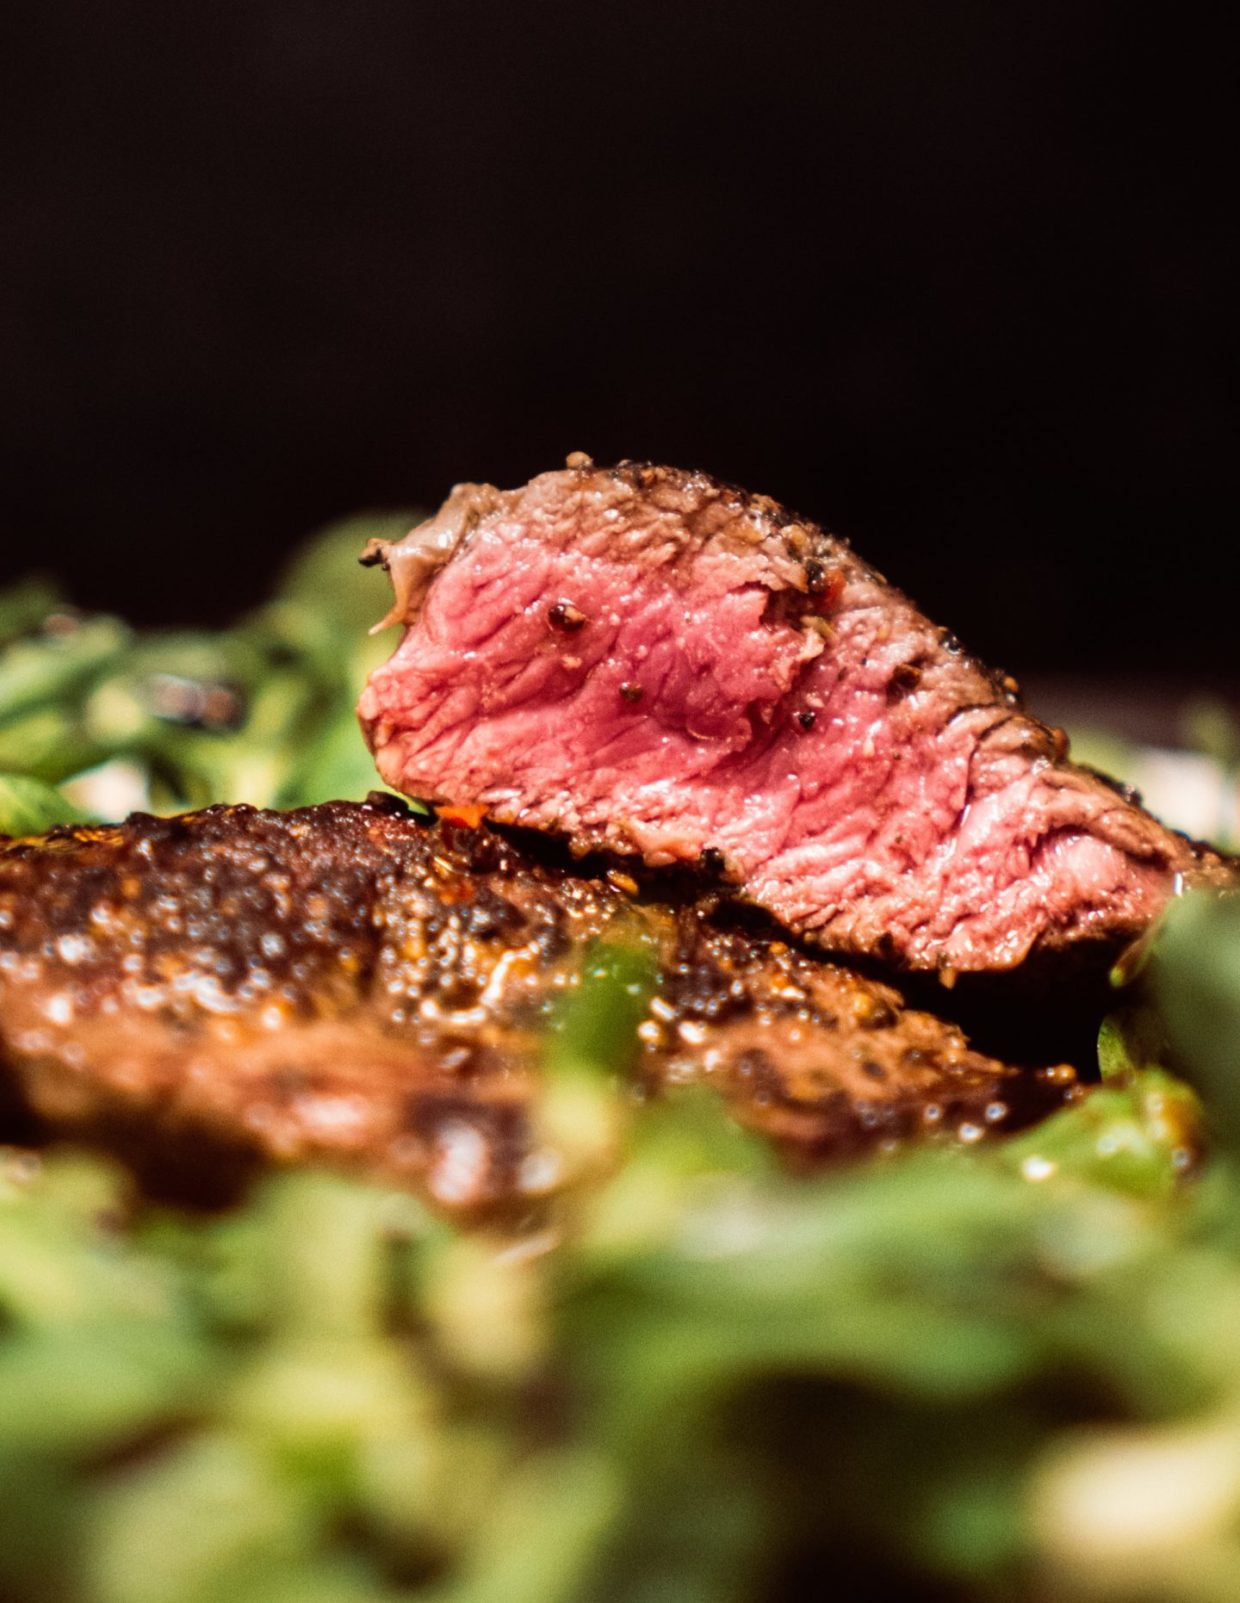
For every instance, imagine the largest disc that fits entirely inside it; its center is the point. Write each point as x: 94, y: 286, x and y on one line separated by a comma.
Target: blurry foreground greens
x: 1007, y: 1374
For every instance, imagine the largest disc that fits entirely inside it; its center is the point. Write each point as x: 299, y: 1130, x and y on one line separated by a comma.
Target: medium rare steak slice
x: 352, y: 985
x: 650, y: 662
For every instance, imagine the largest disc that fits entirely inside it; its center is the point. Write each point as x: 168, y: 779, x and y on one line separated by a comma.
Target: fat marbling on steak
x: 350, y: 984
x: 647, y: 661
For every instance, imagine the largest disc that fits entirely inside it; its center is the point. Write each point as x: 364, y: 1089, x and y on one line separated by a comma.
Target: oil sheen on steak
x: 353, y: 985
x: 648, y: 661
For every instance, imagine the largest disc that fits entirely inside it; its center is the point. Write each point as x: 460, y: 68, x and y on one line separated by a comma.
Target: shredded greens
x: 96, y: 719
x: 1009, y: 1374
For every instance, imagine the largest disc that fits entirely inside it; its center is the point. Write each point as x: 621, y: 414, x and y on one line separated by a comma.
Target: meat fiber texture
x: 349, y: 984
x: 647, y: 661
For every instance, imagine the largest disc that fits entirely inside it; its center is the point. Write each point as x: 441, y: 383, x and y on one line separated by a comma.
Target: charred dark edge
x: 374, y: 554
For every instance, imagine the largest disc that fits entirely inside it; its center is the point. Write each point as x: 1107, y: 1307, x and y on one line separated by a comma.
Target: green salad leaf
x: 28, y: 806
x: 167, y: 721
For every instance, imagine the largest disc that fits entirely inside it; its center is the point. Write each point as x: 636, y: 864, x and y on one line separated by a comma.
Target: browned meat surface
x: 644, y: 660
x: 353, y: 985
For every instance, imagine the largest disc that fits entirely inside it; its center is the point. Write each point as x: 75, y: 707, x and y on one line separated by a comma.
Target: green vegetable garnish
x: 28, y: 806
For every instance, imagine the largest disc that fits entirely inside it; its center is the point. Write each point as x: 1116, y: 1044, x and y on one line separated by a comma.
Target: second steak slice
x: 648, y: 661
x: 351, y: 985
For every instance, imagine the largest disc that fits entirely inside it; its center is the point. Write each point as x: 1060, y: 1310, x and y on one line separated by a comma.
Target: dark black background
x: 956, y: 280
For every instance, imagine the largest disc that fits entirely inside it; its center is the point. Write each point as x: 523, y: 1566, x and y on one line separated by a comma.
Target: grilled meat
x: 646, y: 661
x: 357, y: 985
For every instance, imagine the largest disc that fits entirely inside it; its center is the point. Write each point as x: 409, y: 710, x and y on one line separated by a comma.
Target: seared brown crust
x: 354, y: 985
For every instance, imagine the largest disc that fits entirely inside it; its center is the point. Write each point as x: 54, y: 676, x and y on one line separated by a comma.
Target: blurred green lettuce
x: 261, y: 713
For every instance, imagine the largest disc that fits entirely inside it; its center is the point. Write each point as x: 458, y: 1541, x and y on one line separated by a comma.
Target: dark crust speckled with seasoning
x: 353, y: 984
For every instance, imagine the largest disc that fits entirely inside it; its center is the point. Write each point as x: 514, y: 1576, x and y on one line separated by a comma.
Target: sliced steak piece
x: 647, y: 661
x: 350, y: 984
